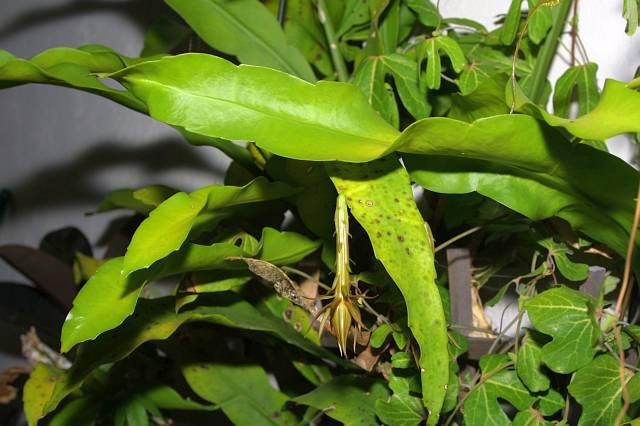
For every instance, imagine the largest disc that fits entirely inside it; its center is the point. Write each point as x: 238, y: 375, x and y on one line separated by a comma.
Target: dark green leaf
x: 246, y: 29
x: 529, y: 365
x: 348, y: 399
x: 402, y: 408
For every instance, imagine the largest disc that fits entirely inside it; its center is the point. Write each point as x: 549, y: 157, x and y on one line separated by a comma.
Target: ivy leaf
x: 432, y: 48
x: 403, y: 408
x: 427, y: 12
x: 570, y: 270
x: 246, y: 29
x: 482, y: 405
x: 530, y: 417
x: 630, y: 14
x: 348, y: 399
x: 540, y: 22
x: 597, y: 388
x: 529, y: 365
x: 567, y: 316
x: 405, y: 75
x: 582, y: 81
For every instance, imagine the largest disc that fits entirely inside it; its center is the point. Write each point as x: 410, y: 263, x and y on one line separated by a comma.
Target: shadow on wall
x: 73, y: 182
x: 141, y: 12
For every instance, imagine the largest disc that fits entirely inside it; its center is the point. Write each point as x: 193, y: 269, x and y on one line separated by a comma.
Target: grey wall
x: 62, y: 150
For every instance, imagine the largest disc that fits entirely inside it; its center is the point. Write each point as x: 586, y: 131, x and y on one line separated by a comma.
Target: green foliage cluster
x: 366, y: 100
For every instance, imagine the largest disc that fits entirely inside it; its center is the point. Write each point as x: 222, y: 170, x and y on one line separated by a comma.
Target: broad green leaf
x: 580, y: 81
x: 109, y: 296
x: 175, y: 217
x: 69, y: 67
x: 240, y: 388
x: 613, y: 115
x: 236, y: 152
x: 180, y: 213
x: 432, y: 48
x: 471, y: 78
x: 598, y: 389
x: 405, y: 75
x: 540, y: 22
x: 285, y: 248
x: 482, y: 405
x: 356, y: 12
x: 402, y: 408
x: 348, y: 399
x: 630, y: 14
x: 515, y: 160
x: 167, y: 398
x: 246, y: 29
x: 141, y: 200
x: 322, y: 127
x: 568, y: 317
x: 380, y: 198
x: 370, y: 79
x: 529, y: 365
x: 511, y: 24
x: 157, y: 319
x: 426, y: 10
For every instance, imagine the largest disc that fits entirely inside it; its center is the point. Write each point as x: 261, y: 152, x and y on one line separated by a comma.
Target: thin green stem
x: 456, y: 238
x: 548, y: 51
x: 330, y: 34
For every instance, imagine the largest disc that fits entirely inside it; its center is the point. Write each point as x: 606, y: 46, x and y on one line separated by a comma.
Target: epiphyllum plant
x: 354, y: 101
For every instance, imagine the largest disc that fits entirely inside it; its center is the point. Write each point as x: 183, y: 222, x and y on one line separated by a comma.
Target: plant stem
x: 330, y: 34
x: 548, y: 51
x: 626, y: 397
x: 456, y: 238
x: 627, y: 266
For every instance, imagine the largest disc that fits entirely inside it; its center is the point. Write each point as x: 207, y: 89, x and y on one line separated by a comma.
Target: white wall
x: 601, y: 29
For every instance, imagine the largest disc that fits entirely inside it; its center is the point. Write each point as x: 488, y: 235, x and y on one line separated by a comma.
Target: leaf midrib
x: 295, y: 118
